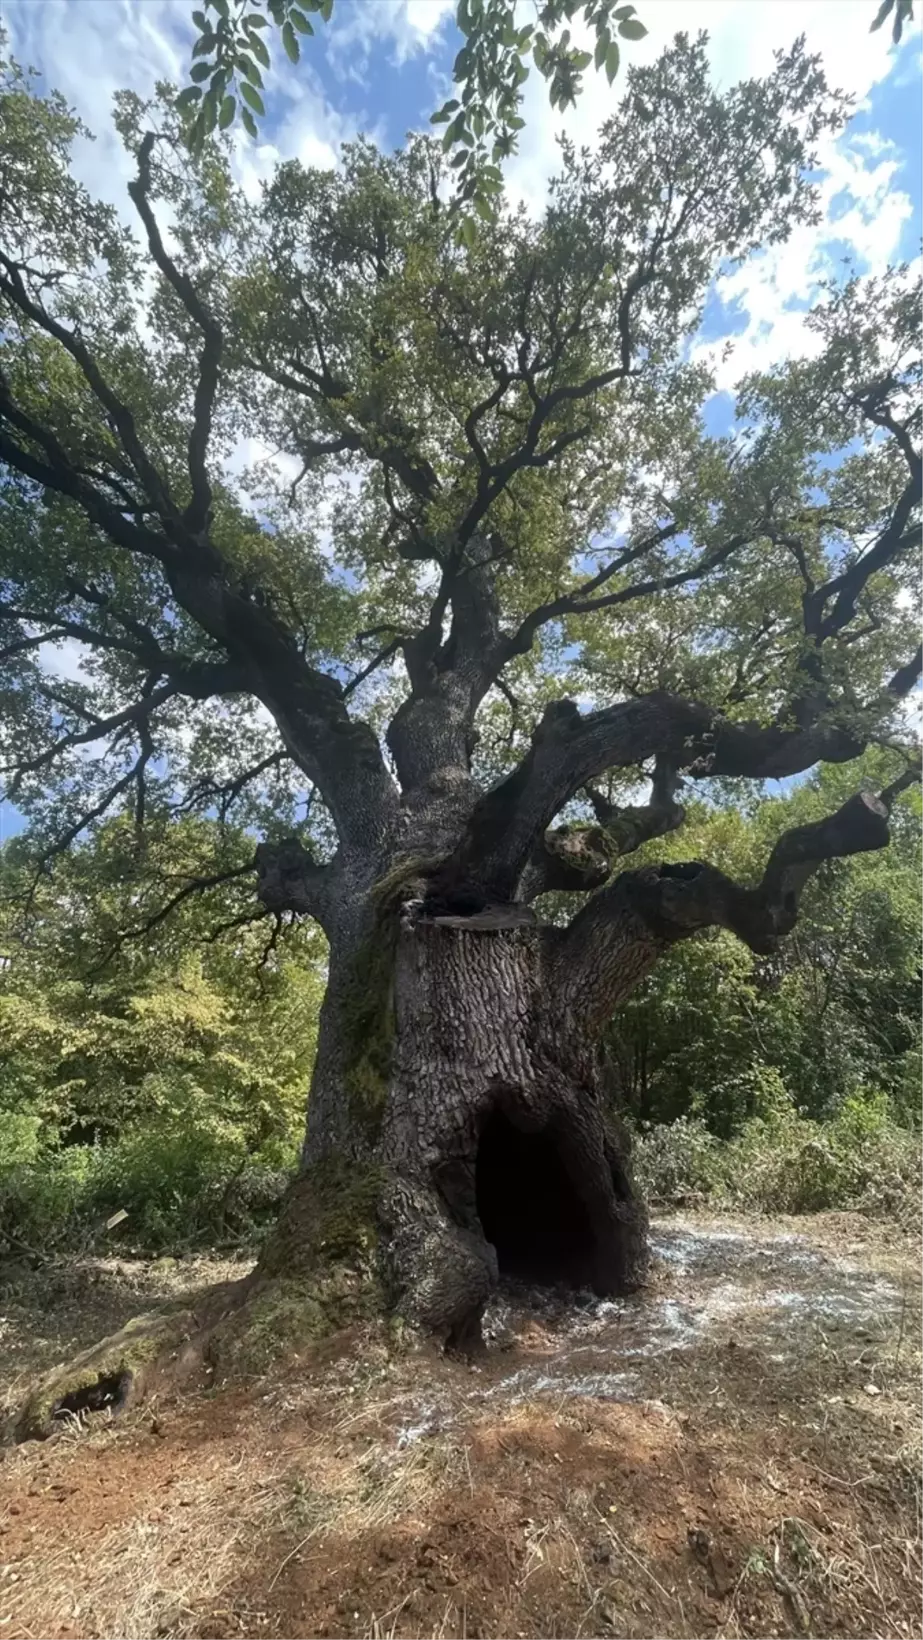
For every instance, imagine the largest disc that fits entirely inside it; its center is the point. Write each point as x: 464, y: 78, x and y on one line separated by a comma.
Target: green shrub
x: 678, y: 1162
x: 181, y: 1185
x: 783, y: 1163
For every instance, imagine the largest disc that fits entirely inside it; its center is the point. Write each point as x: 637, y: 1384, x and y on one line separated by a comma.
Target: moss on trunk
x: 111, y: 1374
x: 318, y: 1272
x: 368, y: 995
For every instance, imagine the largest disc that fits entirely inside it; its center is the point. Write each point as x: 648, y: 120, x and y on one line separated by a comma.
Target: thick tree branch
x: 618, y: 936
x: 13, y: 287
x: 339, y: 755
x: 579, y: 858
x: 288, y: 879
x: 570, y: 749
x: 58, y: 474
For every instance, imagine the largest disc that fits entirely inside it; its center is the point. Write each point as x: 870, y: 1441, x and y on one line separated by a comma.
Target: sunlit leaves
x: 483, y: 122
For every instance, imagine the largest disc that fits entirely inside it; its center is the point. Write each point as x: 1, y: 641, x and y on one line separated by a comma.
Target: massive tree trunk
x: 461, y: 1122
x: 459, y: 1092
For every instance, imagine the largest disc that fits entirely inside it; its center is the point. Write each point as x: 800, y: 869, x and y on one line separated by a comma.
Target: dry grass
x: 192, y: 1524
x: 54, y: 1311
x: 367, y: 1495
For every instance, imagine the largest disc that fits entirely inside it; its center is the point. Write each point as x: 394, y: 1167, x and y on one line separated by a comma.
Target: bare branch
x: 197, y: 513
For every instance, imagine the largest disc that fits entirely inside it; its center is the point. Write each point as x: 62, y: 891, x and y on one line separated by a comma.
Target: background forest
x: 169, y: 1081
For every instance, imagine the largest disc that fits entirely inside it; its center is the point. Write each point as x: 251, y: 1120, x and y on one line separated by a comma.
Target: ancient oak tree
x: 413, y: 557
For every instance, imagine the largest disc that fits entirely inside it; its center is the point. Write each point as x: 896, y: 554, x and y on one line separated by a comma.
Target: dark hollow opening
x: 109, y: 1390
x: 528, y: 1207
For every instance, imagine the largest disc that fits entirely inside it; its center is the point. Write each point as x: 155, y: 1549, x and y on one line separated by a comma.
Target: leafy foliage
x: 482, y: 122
x: 718, y: 1036
x: 169, y: 1081
x: 902, y: 13
x: 861, y: 1160
x: 490, y: 480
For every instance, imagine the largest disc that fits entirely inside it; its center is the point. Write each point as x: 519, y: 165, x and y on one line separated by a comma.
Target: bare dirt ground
x: 734, y: 1452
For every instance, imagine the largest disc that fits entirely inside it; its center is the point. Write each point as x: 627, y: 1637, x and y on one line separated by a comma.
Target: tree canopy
x: 498, y: 485
x: 483, y: 118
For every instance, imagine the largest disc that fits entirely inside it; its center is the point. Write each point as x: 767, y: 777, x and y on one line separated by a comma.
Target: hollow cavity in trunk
x: 529, y: 1208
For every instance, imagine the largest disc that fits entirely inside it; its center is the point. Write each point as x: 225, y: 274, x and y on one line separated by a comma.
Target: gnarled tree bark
x: 459, y: 1072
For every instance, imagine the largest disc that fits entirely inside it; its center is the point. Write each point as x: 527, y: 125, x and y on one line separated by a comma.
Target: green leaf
x: 200, y: 71
x: 249, y: 122
x: 258, y: 47
x: 250, y: 70
x: 484, y: 208
x: 226, y: 116
x: 300, y: 22
x: 221, y: 7
x: 467, y: 231
x: 205, y: 43
x: 326, y: 10
x: 631, y: 29
x: 252, y: 97
x: 254, y: 20
x: 292, y: 48
x: 187, y: 98
x: 612, y: 61
x: 884, y: 12
x: 455, y: 131
x: 200, y: 20
x: 602, y: 46
x: 904, y: 14
x: 582, y: 60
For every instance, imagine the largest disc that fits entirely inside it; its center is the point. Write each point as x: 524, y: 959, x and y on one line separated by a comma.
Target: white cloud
x: 862, y: 217
x: 361, y: 33
x: 863, y: 212
x: 91, y: 50
x: 250, y: 453
x: 67, y: 660
x: 742, y: 39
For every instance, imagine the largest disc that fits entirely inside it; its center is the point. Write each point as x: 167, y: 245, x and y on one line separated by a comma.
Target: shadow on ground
x: 734, y: 1452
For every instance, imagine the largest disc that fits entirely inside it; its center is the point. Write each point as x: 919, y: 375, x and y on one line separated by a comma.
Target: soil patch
x: 733, y: 1452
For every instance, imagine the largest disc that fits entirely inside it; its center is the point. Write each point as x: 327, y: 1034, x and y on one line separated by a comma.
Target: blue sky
x: 382, y: 66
